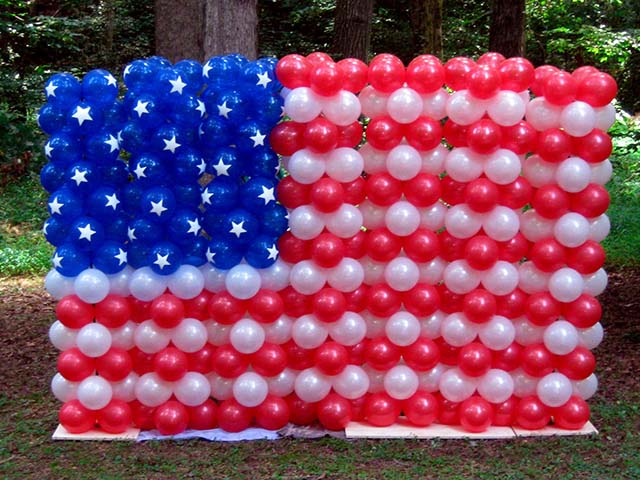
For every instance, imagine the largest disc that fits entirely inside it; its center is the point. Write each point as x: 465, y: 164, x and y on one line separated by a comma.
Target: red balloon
x: 233, y: 417
x: 327, y: 195
x: 537, y: 361
x: 293, y: 71
x: 382, y: 300
x: 532, y: 414
x: 577, y: 364
x: 354, y: 74
x: 457, y: 72
x: 516, y: 74
x: 299, y: 358
x: 504, y: 413
x: 573, y: 415
x: 295, y: 303
x: 583, y: 312
x: 422, y: 245
x: 228, y: 362
x: 226, y: 309
x: 200, y: 361
x: 591, y: 202
x: 357, y: 409
x: 520, y: 138
x: 270, y: 360
x: 317, y: 58
x: 329, y: 305
x: 474, y: 359
x: 167, y: 310
x: 73, y: 312
x: 424, y: 133
x: 421, y: 409
x: 171, y: 418
x: 74, y: 365
x: 320, y: 135
x: 422, y: 355
x: 75, y: 418
x: 142, y: 362
x: 481, y: 252
x: 381, y: 410
x: 384, y: 133
x: 292, y: 194
x: 301, y: 412
x: 198, y: 307
x: 293, y: 249
x: 542, y: 309
x: 422, y: 300
x: 475, y: 414
x: 357, y: 353
x: 560, y: 88
x: 142, y: 416
x: 331, y: 358
x: 448, y: 353
x: 484, y: 136
x: 382, y: 189
x: 273, y: 413
x: 448, y: 411
x: 116, y: 417
x: 334, y: 412
x: 287, y: 138
x: 381, y: 354
x: 587, y: 258
x: 450, y: 302
x: 507, y: 359
x: 455, y: 134
x: 350, y: 135
x: 354, y: 192
x: 203, y: 416
x: 484, y: 82
x: 425, y: 75
x: 139, y: 310
x: 171, y: 364
x: 386, y: 73
x: 515, y: 194
x: 266, y: 306
x: 481, y: 195
x: 597, y: 89
x: 355, y: 247
x: 515, y: 249
x: 554, y: 145
x: 357, y: 300
x: 595, y: 147
x: 326, y: 79
x: 479, y: 306
x: 113, y: 312
x: 382, y: 245
x: 548, y: 255
x: 451, y: 248
x: 511, y: 305
x: 114, y: 365
x: 550, y: 201
x: 581, y: 73
x: 423, y: 190
x: 491, y: 59
x: 540, y: 75
x: 327, y: 250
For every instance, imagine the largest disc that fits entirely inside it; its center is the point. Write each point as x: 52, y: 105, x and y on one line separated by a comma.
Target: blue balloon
x: 62, y: 149
x: 214, y: 223
x: 65, y: 205
x: 168, y: 140
x: 262, y: 252
x: 115, y: 116
x: 215, y: 132
x: 188, y: 110
x: 223, y: 254
x: 170, y: 84
x: 189, y: 165
x: 187, y: 194
x: 259, y: 77
x: 147, y: 111
x: 110, y: 257
x: 51, y: 118
x: 85, y: 118
x: 138, y: 75
x: 138, y: 255
x: 195, y: 253
x: 165, y: 258
x: 191, y: 72
x: 267, y: 108
x: 257, y: 194
x: 55, y: 231
x: 232, y: 105
x: 117, y: 228
x: 251, y: 135
x: 134, y: 138
x: 226, y: 161
x: 102, y: 147
x: 273, y: 220
x: 82, y: 177
x: 86, y: 233
x: 220, y: 195
x: 62, y: 89
x: 99, y: 87
x: 157, y: 62
x: 262, y: 162
x: 148, y: 169
x: 220, y: 72
x: 131, y: 195
x: 104, y: 204
x: 241, y: 227
x: 158, y: 204
x: 115, y: 174
x: 52, y: 177
x: 69, y: 260
x: 184, y: 227
x: 143, y: 230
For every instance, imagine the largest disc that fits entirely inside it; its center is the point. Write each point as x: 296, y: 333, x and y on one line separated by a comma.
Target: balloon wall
x: 304, y: 240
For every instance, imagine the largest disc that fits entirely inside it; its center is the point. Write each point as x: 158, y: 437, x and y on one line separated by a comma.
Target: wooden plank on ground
x: 130, y: 435
x: 405, y: 430
x: 588, y: 429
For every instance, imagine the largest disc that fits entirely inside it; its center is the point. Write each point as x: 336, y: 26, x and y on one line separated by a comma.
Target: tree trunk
x: 231, y: 26
x: 179, y: 29
x: 506, y: 34
x: 352, y: 31
x: 426, y: 24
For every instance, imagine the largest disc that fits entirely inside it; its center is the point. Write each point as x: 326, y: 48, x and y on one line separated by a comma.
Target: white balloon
x: 566, y: 285
x: 402, y: 218
x: 217, y: 334
x: 372, y: 215
x: 243, y: 281
x: 573, y: 174
x: 308, y: 332
x: 192, y: 389
x: 401, y: 274
x: 496, y: 386
x: 351, y: 383
x: 119, y: 282
x: 429, y: 381
x: 250, y: 389
x: 187, y: 282
x: 498, y: 333
x: 561, y: 337
x: 150, y: 338
x: 401, y: 382
x: 312, y: 386
x: 373, y: 271
x: 538, y: 171
x: 345, y: 222
x: 524, y: 385
x: 601, y: 172
x: 305, y: 222
x: 306, y: 167
x: 347, y: 276
x: 122, y: 337
x: 464, y: 109
x: 571, y: 230
x: 506, y: 108
x: 501, y: 224
x: 595, y: 283
x: 599, y: 228
x: 213, y: 278
x: 455, y: 386
x: 404, y: 162
x: 402, y: 328
x: 94, y: 340
x: 433, y: 160
x: 344, y: 164
x: 146, y: 285
x: 433, y: 271
x: 531, y: 279
x: 404, y: 105
x: 432, y: 217
x: 190, y: 335
x: 434, y: 104
x: 578, y: 119
x: 91, y: 286
x: 307, y: 278
x: 526, y: 332
x: 462, y: 222
x: 605, y: 117
x: 501, y: 278
x: 125, y: 390
x: 63, y: 389
x: 349, y: 330
x: 502, y: 166
x: 279, y: 331
x: 276, y: 276
x: 543, y: 115
x: 58, y: 285
x: 373, y: 102
x: 63, y: 338
x: 221, y: 388
x: 376, y: 379
x: 94, y: 392
x: 554, y: 389
x: 342, y: 109
x: 375, y: 161
x: 282, y: 384
x: 591, y: 337
x: 586, y: 388
x: 247, y: 336
x: 535, y: 227
x: 302, y: 105
x: 460, y: 278
x: 375, y: 325
x: 430, y: 326
x: 457, y: 331
x: 463, y: 164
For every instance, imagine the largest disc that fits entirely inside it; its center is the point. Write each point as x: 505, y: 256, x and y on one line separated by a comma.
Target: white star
x: 139, y: 171
x: 202, y: 166
x: 206, y: 196
x: 57, y: 260
x: 141, y: 108
x: 210, y: 256
x: 131, y: 233
x: 205, y: 70
x: 48, y: 149
x: 267, y: 195
x: 237, y: 228
x: 194, y: 227
x: 263, y: 79
x: 162, y: 260
x: 45, y: 226
x: 112, y: 201
x: 127, y: 69
x: 221, y: 168
x: 51, y: 90
x: 113, y: 143
x: 86, y: 232
x: 158, y: 208
x: 79, y: 177
x: 122, y: 256
x: 282, y: 111
x: 201, y: 108
x: 119, y: 136
x: 111, y: 80
x: 55, y: 206
x: 82, y: 114
x: 177, y: 85
x: 273, y: 252
x: 200, y: 130
x: 171, y: 144
x: 223, y: 110
x: 258, y: 139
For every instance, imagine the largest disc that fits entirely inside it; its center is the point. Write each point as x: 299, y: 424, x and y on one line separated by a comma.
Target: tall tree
x: 506, y: 34
x: 426, y: 26
x: 352, y: 32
